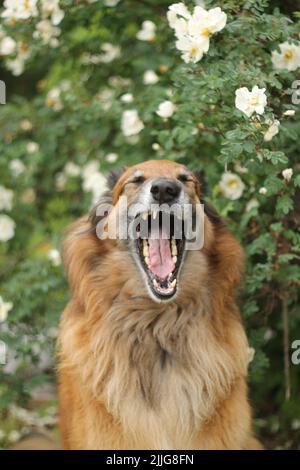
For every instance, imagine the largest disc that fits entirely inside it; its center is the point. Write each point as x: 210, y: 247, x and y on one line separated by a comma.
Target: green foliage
x: 80, y: 122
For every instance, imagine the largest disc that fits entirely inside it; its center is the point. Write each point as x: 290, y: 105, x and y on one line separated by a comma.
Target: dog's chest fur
x: 163, y: 370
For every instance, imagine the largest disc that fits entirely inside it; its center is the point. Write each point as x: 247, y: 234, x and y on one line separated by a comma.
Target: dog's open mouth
x: 160, y: 247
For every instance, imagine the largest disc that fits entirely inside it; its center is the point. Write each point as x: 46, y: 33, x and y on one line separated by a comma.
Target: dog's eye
x: 138, y: 180
x: 185, y: 178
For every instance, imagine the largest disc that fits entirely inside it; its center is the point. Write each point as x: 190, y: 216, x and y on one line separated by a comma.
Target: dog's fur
x: 138, y: 374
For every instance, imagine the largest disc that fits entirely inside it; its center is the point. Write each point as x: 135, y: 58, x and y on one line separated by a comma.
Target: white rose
x: 177, y: 16
x: 180, y: 9
x: 32, y: 147
x: 5, y: 307
x: 17, y: 167
x: 51, y: 8
x: 231, y: 186
x: 6, y: 199
x: 147, y: 32
x: 111, y: 157
x: 127, y: 98
x: 287, y: 174
x: 16, y: 66
x: 19, y: 9
x: 150, y: 77
x: 295, y: 425
x: 263, y: 190
x: 110, y: 52
x: 272, y: 131
x: 47, y: 33
x: 251, y: 354
x: 251, y: 101
x: 95, y: 182
x: 7, y: 228
x: 53, y: 99
x: 194, y: 30
x: 131, y: 124
x: 252, y: 204
x: 165, y: 109
x: 111, y: 3
x: 26, y: 125
x: 71, y: 169
x: 203, y: 24
x: 60, y: 181
x: 7, y: 46
x: 90, y: 168
x: 156, y: 147
x: 288, y: 58
x: 289, y: 112
x: 192, y: 48
x: 54, y: 256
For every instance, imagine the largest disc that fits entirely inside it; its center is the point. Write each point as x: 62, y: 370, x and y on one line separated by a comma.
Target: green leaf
x: 297, y: 181
x: 274, y: 185
x: 284, y: 204
x: 274, y: 157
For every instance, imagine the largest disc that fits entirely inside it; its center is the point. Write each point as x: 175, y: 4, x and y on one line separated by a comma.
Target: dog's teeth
x: 173, y: 247
x: 173, y: 283
x: 174, y: 259
x: 144, y: 215
x: 147, y: 261
x: 154, y: 213
x: 145, y: 249
x: 155, y: 283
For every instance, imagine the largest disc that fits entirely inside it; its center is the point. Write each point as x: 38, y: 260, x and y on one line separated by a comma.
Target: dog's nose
x: 165, y: 190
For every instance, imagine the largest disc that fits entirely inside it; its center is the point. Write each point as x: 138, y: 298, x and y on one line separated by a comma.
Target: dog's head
x: 157, y: 201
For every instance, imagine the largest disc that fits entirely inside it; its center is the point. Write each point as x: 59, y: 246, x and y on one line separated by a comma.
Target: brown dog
x: 153, y: 354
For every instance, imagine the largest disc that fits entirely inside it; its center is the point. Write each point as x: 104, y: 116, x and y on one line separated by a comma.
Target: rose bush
x: 94, y: 84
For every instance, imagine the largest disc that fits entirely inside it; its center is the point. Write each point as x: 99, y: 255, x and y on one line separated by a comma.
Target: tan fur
x: 136, y: 374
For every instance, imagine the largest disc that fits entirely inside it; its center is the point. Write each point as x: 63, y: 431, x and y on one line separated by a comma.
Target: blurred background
x: 89, y: 85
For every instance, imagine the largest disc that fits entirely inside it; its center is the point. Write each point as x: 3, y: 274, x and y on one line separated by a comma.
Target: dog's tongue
x: 161, y: 263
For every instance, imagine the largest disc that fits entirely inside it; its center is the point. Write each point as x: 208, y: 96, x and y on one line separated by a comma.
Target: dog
x: 152, y: 351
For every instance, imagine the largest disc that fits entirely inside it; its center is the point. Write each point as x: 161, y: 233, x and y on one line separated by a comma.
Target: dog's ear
x: 200, y: 175
x: 212, y: 214
x: 209, y: 209
x: 106, y: 199
x: 114, y: 175
x: 100, y: 210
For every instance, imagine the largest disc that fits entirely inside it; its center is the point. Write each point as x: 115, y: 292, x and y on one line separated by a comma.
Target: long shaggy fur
x: 136, y: 374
